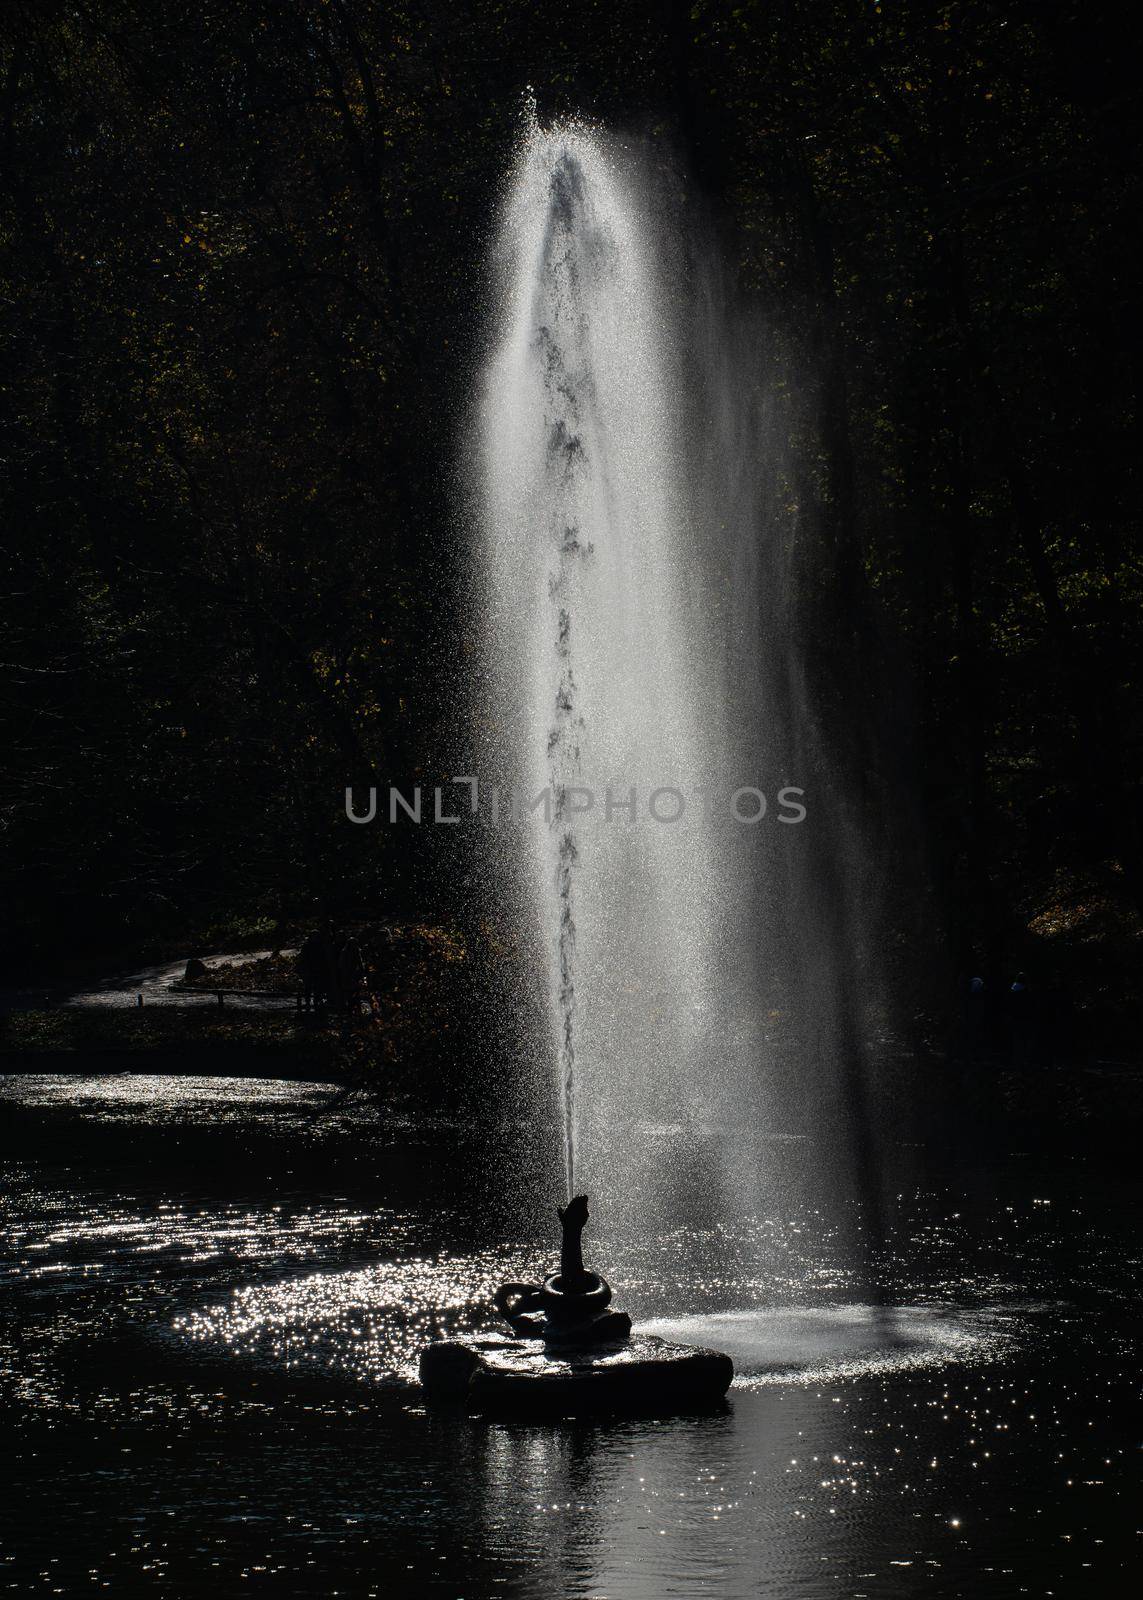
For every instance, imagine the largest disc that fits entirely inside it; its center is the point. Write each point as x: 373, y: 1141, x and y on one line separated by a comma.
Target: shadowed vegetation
x: 239, y: 247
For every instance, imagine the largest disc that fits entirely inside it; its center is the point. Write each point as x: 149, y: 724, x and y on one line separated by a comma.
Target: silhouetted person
x: 351, y: 975
x: 317, y: 969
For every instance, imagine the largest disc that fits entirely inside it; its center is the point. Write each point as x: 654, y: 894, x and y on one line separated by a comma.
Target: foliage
x: 239, y: 244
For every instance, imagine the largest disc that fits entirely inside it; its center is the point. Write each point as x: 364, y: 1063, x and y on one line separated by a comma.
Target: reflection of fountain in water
x: 639, y: 642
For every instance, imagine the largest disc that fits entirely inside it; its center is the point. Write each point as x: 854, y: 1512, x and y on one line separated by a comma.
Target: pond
x: 214, y: 1296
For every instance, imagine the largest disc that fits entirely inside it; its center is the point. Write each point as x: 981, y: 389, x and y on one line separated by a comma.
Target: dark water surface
x: 213, y: 1301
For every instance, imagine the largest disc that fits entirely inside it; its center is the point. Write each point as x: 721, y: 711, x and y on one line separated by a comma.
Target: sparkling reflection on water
x: 371, y: 1324
x: 213, y: 1305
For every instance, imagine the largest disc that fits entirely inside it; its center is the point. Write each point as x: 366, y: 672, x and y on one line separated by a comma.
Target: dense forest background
x: 242, y: 249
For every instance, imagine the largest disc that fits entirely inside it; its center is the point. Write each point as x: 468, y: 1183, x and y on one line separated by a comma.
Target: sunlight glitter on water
x: 225, y: 1311
x: 371, y: 1325
x: 116, y: 1241
x: 150, y: 1096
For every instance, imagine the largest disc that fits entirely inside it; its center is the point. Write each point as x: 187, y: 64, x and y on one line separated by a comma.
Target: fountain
x: 570, y: 1351
x: 641, y: 678
x: 601, y: 657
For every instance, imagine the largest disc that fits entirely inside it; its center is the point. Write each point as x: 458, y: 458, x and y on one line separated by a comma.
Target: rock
x: 649, y: 1375
x: 194, y: 969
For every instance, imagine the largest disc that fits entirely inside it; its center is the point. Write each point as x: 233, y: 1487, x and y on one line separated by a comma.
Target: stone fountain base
x: 571, y: 1350
x: 646, y: 1374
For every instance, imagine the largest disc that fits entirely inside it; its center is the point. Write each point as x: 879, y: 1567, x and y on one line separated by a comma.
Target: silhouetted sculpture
x: 571, y: 1305
x: 573, y: 1220
x: 571, y: 1353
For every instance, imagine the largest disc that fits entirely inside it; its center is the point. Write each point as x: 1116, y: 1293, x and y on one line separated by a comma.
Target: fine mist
x: 646, y: 683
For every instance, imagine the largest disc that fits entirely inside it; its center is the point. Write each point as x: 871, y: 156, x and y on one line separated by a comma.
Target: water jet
x: 637, y: 641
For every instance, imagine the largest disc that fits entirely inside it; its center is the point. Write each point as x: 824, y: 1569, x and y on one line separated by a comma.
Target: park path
x: 154, y: 983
